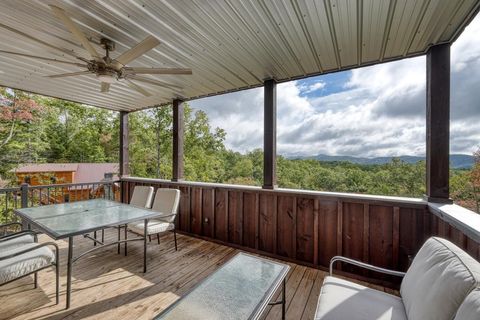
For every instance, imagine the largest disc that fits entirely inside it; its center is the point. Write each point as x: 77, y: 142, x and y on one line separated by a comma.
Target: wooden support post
x: 178, y: 135
x: 438, y: 123
x: 270, y: 135
x: 123, y: 143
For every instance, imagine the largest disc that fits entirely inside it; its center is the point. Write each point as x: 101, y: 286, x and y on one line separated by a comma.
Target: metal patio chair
x: 166, y: 203
x: 21, y: 256
x: 142, y: 197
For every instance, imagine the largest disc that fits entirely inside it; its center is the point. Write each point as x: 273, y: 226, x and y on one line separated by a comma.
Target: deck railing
x: 309, y: 227
x: 305, y: 227
x: 29, y: 196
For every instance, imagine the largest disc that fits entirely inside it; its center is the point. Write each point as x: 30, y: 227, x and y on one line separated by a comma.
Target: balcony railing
x: 305, y: 227
x: 309, y: 227
x: 29, y: 196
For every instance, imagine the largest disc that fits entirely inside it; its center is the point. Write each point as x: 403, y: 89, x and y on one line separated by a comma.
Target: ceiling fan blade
x: 45, y: 59
x: 60, y: 13
x: 154, y: 82
x: 147, y: 44
x: 46, y: 44
x: 105, y: 87
x: 138, y: 88
x: 70, y: 74
x: 128, y: 70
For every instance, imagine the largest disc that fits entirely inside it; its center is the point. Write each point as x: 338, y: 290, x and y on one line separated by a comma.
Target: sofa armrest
x: 364, y: 265
x: 19, y: 234
x: 45, y: 244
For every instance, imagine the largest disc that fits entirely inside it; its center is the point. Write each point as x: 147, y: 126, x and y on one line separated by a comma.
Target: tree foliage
x: 40, y: 129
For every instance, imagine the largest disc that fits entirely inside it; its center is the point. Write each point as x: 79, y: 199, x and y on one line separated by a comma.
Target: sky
x: 368, y: 112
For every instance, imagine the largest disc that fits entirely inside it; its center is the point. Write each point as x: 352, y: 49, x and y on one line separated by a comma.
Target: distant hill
x: 457, y: 161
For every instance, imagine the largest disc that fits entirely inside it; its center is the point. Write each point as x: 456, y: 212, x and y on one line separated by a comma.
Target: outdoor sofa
x: 441, y: 284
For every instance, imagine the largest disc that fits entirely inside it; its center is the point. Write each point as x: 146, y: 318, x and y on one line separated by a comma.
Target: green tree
x: 22, y: 133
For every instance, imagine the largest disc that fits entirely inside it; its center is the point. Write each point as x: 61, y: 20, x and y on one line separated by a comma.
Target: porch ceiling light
x: 108, y: 78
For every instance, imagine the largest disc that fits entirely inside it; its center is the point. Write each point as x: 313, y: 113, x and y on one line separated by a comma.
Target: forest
x: 40, y: 129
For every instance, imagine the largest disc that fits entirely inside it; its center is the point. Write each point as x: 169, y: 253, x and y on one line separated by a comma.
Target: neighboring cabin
x: 61, y: 173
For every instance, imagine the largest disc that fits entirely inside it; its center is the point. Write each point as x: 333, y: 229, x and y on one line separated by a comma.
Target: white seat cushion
x: 439, y: 279
x: 15, y: 242
x: 13, y: 268
x: 342, y: 299
x: 470, y: 308
x: 153, y: 227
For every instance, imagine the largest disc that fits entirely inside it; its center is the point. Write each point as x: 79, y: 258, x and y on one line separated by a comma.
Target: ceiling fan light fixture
x: 108, y: 78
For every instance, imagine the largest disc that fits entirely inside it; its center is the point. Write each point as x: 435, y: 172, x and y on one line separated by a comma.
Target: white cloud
x: 380, y: 112
x: 240, y: 114
x: 318, y: 85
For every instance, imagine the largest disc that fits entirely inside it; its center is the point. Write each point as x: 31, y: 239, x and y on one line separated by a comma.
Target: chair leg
x: 149, y: 238
x: 57, y: 279
x: 118, y: 245
x: 35, y: 280
x: 158, y: 238
x: 103, y: 235
x: 175, y: 238
x: 95, y: 237
x: 126, y: 235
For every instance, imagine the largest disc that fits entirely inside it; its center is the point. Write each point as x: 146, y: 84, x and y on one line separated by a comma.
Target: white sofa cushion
x: 341, y: 299
x: 153, y: 227
x: 437, y: 282
x: 15, y: 242
x: 470, y: 308
x: 16, y: 267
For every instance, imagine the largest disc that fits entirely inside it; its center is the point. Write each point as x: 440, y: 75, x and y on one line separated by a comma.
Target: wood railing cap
x: 466, y: 221
x: 334, y: 195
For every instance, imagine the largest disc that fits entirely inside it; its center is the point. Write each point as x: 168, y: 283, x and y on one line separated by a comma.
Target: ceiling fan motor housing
x: 106, y: 74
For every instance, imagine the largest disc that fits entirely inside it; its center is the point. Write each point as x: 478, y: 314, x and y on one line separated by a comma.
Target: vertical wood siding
x: 310, y: 228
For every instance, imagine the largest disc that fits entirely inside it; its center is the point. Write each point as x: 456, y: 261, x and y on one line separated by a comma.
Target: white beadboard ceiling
x: 229, y: 44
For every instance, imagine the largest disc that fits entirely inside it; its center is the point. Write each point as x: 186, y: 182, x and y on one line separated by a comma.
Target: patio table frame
x: 37, y: 224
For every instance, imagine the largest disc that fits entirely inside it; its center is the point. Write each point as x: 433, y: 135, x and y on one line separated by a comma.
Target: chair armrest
x: 163, y: 216
x: 19, y: 234
x: 32, y: 249
x: 364, y: 265
x: 5, y: 225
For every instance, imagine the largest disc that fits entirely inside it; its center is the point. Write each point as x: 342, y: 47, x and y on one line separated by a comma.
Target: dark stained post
x: 438, y: 123
x: 178, y: 132
x: 270, y: 135
x: 123, y: 143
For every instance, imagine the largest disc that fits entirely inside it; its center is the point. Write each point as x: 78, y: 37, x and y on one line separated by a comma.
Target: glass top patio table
x: 240, y: 289
x: 76, y: 218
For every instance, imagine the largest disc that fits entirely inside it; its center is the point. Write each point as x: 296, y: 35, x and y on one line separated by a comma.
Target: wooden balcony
x: 309, y: 227
x: 112, y: 286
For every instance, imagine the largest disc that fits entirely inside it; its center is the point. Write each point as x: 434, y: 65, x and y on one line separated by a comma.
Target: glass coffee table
x: 240, y: 289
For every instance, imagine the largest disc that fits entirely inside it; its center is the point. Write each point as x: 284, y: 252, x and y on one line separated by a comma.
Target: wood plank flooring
x: 111, y: 286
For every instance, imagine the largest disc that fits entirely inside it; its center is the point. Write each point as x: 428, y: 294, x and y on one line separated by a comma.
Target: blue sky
x: 328, y: 84
x: 372, y: 111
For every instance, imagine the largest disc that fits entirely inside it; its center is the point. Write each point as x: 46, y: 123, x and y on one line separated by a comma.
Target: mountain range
x: 457, y: 161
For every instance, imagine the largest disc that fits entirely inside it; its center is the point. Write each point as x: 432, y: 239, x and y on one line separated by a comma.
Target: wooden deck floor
x: 111, y: 286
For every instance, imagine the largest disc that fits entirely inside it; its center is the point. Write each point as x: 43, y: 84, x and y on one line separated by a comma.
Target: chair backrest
x: 470, y: 308
x: 439, y: 279
x: 166, y: 202
x: 142, y: 196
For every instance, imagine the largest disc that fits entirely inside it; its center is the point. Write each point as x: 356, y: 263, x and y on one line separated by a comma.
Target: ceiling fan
x: 110, y: 70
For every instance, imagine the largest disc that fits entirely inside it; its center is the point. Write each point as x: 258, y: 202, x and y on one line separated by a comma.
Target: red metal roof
x: 94, y: 172
x: 84, y: 172
x: 47, y: 167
